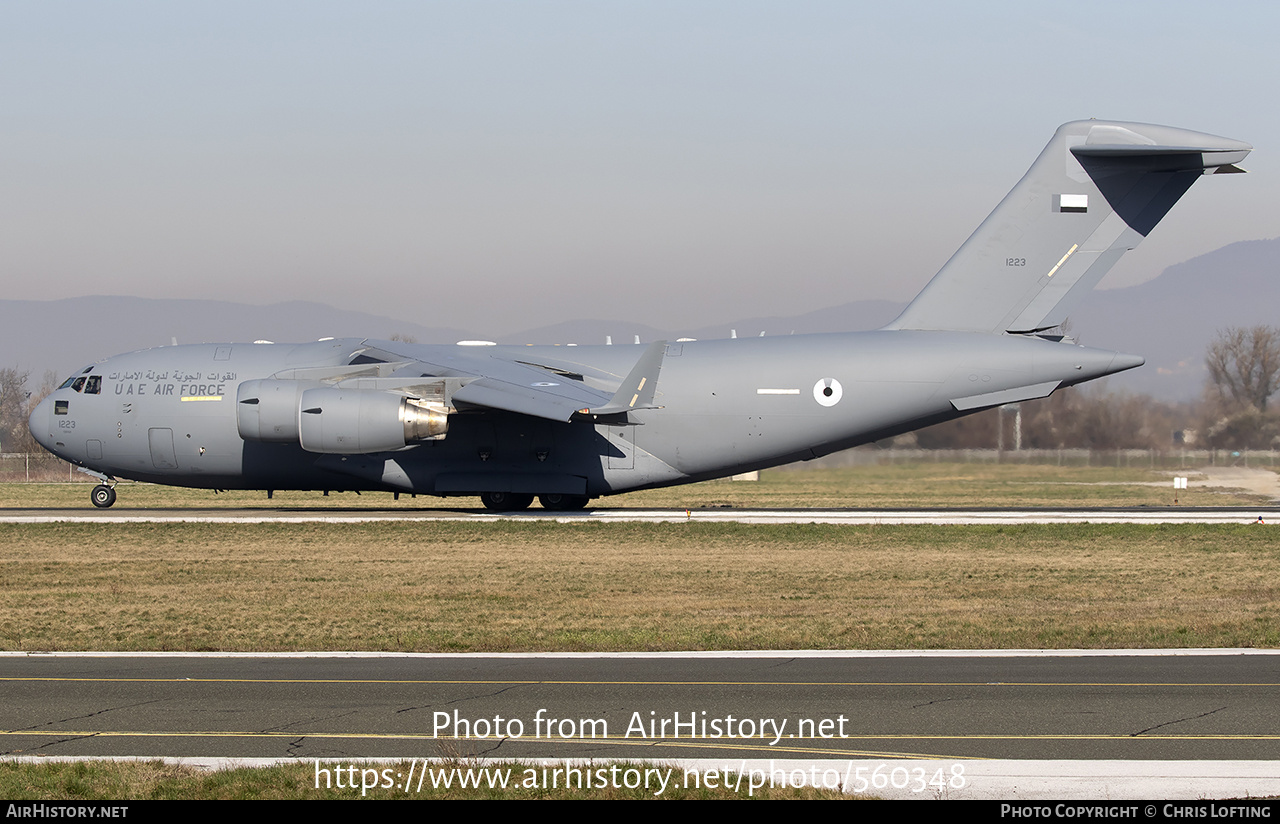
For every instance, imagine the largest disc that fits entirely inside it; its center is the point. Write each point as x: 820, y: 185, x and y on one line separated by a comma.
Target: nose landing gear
x: 102, y: 496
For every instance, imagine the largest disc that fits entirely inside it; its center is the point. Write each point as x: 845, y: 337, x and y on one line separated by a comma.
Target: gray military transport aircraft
x: 568, y: 424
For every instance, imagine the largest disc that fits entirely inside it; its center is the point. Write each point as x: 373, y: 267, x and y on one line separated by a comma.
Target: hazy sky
x: 506, y: 165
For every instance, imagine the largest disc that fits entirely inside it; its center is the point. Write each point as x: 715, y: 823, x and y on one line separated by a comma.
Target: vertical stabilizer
x: 1095, y: 191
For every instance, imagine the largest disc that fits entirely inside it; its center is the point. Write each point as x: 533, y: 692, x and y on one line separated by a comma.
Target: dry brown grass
x: 125, y: 781
x: 546, y: 586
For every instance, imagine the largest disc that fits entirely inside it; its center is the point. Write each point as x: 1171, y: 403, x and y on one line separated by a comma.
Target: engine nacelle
x: 267, y: 410
x: 359, y: 421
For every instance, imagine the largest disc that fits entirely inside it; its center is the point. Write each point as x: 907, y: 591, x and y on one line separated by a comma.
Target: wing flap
x: 556, y: 402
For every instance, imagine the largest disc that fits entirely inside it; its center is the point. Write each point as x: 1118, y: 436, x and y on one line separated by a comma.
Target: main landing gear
x: 505, y: 501
x: 102, y: 496
x: 513, y: 502
x: 563, y: 503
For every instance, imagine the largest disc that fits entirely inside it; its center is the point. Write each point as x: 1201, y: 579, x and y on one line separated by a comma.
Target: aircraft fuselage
x: 169, y: 415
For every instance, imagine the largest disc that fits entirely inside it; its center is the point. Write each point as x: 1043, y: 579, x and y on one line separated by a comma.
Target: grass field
x: 448, y: 586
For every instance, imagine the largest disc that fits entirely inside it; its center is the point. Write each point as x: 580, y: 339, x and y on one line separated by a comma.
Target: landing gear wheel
x: 505, y: 501
x: 563, y: 503
x: 102, y: 496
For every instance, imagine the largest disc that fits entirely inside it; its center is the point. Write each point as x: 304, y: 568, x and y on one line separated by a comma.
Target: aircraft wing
x: 541, y: 397
x: 500, y: 381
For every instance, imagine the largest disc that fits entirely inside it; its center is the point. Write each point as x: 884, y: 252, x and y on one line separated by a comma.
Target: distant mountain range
x: 1170, y: 320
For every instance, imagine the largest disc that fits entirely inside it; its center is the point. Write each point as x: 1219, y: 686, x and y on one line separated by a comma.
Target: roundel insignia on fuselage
x: 828, y: 391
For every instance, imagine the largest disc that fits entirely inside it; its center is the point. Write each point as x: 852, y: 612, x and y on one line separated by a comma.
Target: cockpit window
x: 76, y: 382
x: 60, y: 407
x: 94, y: 386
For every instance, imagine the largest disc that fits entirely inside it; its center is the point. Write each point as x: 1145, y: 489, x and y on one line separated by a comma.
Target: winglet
x: 637, y: 388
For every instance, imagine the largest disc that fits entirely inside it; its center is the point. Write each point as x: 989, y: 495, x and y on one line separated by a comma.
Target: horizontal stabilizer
x: 1094, y: 193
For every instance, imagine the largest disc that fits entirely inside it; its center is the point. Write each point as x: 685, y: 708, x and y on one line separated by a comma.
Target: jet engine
x: 334, y: 420
x: 358, y: 421
x: 267, y: 410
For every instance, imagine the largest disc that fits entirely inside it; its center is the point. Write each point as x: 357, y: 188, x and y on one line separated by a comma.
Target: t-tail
x: 1095, y: 191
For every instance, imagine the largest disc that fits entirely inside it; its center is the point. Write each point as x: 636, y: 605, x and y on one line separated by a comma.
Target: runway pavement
x: 1083, y: 708
x: 1025, y: 724
x: 1171, y: 707
x: 1133, y: 515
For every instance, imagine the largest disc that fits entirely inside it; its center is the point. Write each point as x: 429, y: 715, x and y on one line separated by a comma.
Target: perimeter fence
x: 38, y: 467
x: 1119, y: 458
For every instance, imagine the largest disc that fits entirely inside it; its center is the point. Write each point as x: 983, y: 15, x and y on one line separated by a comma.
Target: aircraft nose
x: 41, y: 423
